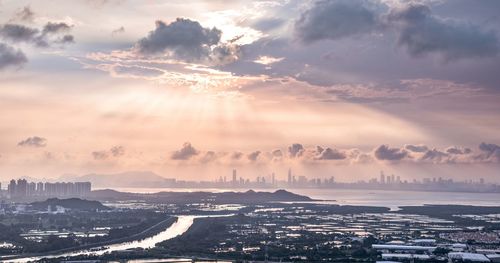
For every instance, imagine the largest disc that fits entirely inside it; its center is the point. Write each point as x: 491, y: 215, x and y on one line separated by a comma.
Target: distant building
x: 234, y: 177
x: 382, y: 177
x: 289, y: 176
x: 22, y: 189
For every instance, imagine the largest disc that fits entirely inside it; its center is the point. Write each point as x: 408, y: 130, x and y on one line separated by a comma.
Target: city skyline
x: 77, y: 186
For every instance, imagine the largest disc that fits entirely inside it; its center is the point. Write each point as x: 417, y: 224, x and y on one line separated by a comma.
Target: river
x: 182, y: 224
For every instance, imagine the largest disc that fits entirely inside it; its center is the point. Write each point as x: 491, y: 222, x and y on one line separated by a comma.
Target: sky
x: 192, y: 89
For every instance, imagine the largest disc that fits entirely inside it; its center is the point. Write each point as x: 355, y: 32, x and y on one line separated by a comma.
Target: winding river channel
x: 182, y: 224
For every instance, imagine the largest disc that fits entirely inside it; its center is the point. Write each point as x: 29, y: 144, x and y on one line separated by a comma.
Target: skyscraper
x: 289, y: 176
x: 12, y: 188
x: 234, y: 177
x: 382, y: 177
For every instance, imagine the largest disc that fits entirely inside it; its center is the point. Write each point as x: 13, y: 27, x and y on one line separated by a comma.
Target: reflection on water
x: 178, y: 228
x: 394, y: 199
x: 182, y: 225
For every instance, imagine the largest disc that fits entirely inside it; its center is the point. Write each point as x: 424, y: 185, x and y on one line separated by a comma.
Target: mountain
x: 71, y: 203
x: 125, y: 179
x: 195, y: 197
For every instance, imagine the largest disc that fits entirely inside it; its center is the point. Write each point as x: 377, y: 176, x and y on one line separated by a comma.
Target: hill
x: 194, y: 197
x: 126, y: 179
x: 71, y: 203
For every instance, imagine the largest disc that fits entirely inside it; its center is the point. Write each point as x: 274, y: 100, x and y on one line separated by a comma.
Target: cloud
x: 435, y: 156
x: 307, y: 155
x: 55, y: 27
x: 117, y: 151
x: 490, y: 152
x: 186, y: 152
x: 66, y: 39
x: 423, y: 33
x: 336, y: 19
x: 384, y: 152
x: 268, y: 24
x: 17, y: 33
x: 102, y: 3
x: 34, y: 141
x: 295, y: 150
x: 10, y: 57
x: 330, y: 154
x: 24, y: 15
x: 420, y: 32
x: 253, y: 156
x: 416, y: 148
x: 187, y: 40
x: 236, y: 155
x: 100, y: 155
x: 458, y: 150
x: 277, y: 153
x: 209, y: 156
x: 117, y: 31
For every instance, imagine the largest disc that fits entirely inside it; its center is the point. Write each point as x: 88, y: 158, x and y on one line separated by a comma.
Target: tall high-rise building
x: 289, y: 176
x: 234, y: 177
x: 39, y: 188
x: 31, y: 190
x: 22, y: 188
x: 382, y: 177
x: 11, y: 188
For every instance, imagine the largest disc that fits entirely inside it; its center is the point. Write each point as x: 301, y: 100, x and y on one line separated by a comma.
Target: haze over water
x: 386, y: 198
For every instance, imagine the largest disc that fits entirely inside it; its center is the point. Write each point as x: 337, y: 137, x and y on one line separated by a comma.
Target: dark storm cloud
x: 10, y: 57
x: 423, y: 33
x: 330, y: 154
x: 295, y: 150
x: 187, y: 40
x: 384, y: 152
x: 186, y: 152
x: 34, y: 141
x: 336, y: 19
